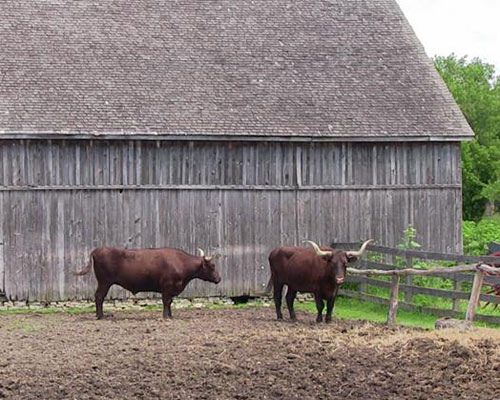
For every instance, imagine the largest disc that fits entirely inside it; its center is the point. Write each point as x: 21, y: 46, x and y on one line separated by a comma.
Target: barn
x: 230, y: 125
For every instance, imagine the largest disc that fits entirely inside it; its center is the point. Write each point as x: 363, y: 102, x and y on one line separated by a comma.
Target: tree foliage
x: 477, y: 235
x: 476, y: 89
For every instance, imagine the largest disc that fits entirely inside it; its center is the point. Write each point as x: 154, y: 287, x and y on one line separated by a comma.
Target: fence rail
x: 479, y: 273
x: 423, y: 255
x: 457, y: 276
x: 449, y: 294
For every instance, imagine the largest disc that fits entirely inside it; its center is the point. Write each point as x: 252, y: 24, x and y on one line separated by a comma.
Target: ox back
x: 166, y: 271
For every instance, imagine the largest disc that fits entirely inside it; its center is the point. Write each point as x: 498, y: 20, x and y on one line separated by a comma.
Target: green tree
x: 476, y: 89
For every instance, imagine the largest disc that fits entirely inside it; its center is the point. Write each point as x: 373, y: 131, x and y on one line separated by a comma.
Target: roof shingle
x: 304, y: 68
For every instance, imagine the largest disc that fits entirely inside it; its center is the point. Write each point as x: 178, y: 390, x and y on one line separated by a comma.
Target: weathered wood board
x: 60, y: 199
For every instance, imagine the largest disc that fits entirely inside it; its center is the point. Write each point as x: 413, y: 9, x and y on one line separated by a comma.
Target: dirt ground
x: 239, y: 354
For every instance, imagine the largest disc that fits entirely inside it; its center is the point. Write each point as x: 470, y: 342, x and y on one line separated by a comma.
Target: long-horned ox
x: 315, y: 270
x: 166, y: 271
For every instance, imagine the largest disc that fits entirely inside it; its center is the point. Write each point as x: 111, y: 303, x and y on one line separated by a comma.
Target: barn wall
x: 103, y: 163
x: 62, y: 199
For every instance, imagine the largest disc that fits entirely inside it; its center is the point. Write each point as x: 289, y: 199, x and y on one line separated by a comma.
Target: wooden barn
x: 231, y: 125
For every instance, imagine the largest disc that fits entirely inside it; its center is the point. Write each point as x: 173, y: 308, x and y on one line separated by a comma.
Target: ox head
x: 338, y: 259
x: 208, y: 272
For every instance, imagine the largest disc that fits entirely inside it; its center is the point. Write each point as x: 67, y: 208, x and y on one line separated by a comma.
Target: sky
x: 464, y: 27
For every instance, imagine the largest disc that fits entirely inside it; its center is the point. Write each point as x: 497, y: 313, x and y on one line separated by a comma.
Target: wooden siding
x: 61, y: 199
x: 104, y: 163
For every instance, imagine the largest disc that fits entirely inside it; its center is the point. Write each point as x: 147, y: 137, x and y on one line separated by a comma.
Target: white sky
x: 464, y: 27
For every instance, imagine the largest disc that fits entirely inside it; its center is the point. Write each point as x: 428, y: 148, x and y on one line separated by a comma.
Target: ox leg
x: 290, y: 298
x: 330, y: 301
x: 278, y: 294
x: 167, y: 302
x: 319, y: 306
x: 100, y: 294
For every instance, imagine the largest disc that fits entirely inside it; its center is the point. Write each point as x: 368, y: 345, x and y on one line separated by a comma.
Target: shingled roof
x: 337, y: 69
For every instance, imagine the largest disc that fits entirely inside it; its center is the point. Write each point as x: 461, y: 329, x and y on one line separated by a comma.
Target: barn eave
x: 228, y: 138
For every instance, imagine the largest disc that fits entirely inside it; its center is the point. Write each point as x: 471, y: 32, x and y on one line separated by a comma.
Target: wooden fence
x: 400, y: 263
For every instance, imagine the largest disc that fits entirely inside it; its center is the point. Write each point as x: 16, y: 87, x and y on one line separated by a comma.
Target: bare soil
x: 239, y: 354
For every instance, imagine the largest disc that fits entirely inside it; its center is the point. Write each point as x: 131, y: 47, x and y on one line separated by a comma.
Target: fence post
x: 393, y: 302
x: 474, y: 296
x: 362, y: 286
x: 409, y: 280
x: 457, y: 302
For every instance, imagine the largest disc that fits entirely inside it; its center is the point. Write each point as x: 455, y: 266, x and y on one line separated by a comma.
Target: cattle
x: 315, y: 270
x: 166, y: 271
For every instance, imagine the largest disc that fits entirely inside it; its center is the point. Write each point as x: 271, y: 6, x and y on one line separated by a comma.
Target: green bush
x: 477, y: 235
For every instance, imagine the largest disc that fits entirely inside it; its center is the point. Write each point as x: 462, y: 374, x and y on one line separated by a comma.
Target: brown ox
x: 315, y: 270
x: 166, y: 271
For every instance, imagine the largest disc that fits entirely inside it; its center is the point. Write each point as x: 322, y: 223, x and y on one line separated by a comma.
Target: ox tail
x: 87, y: 268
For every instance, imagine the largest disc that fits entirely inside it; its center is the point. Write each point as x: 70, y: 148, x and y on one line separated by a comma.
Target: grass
x: 48, y: 310
x: 353, y: 309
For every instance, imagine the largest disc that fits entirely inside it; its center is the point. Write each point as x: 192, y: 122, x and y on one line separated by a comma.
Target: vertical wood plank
x: 343, y: 164
x: 298, y: 164
x: 393, y: 159
x: 393, y: 301
x: 3, y: 144
x: 2, y: 267
x: 457, y: 303
x: 138, y: 162
x: 60, y: 239
x: 350, y: 163
x: 374, y: 165
x: 409, y: 280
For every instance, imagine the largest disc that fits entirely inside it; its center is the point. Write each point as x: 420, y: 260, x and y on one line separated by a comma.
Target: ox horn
x: 202, y: 254
x: 360, y: 252
x: 318, y: 251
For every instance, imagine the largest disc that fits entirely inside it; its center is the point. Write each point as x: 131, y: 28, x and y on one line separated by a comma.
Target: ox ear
x: 351, y: 258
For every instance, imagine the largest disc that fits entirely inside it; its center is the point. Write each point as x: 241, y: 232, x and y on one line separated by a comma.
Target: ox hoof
x: 107, y: 316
